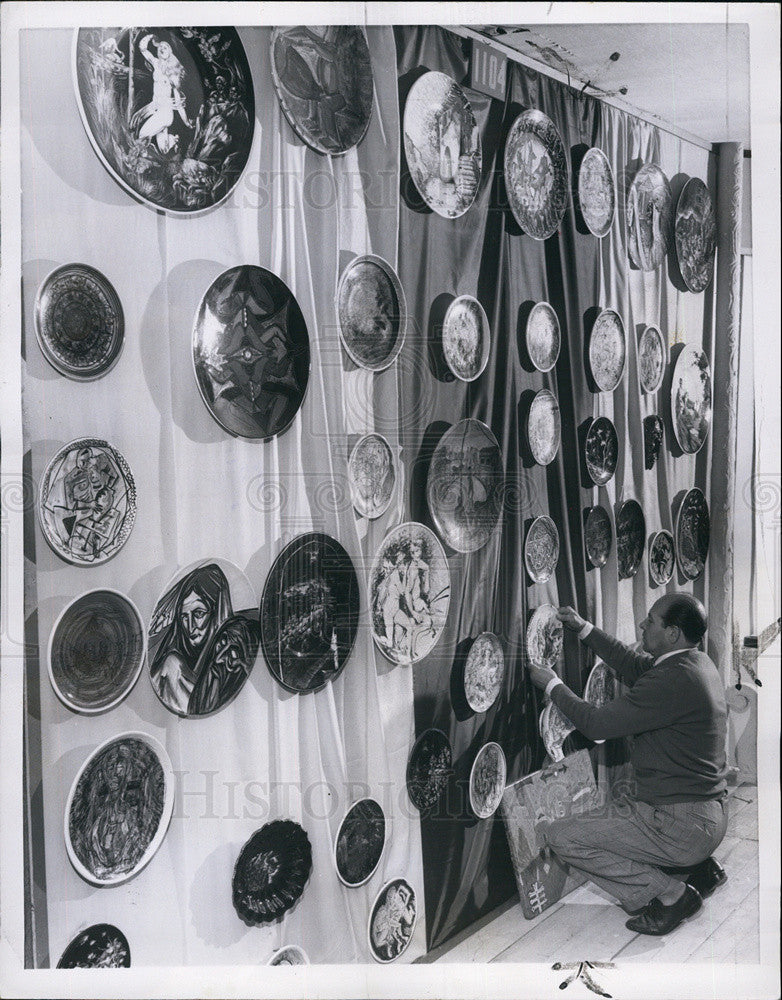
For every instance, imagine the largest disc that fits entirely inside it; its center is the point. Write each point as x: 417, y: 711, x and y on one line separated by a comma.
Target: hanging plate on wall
x: 392, y: 920
x: 359, y: 843
x: 695, y: 232
x: 102, y: 946
x: 662, y: 559
x: 691, y: 399
x: 537, y: 174
x: 169, y: 111
x: 601, y: 450
x: 466, y: 338
x: 371, y: 475
x: 544, y: 428
x: 323, y: 78
x: 693, y: 528
x: 271, y: 871
x: 442, y: 144
x: 554, y: 730
x: 484, y: 671
x: 598, y: 536
x: 372, y: 312
x: 600, y: 687
x: 428, y: 769
x: 651, y: 359
x: 607, y: 350
x: 289, y: 954
x: 543, y: 336
x: 541, y: 549
x: 544, y: 637
x: 630, y: 538
x: 487, y: 780
x: 653, y: 439
x: 649, y: 218
x: 596, y: 192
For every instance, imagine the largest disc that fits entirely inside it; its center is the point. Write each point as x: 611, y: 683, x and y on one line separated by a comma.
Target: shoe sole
x: 710, y: 892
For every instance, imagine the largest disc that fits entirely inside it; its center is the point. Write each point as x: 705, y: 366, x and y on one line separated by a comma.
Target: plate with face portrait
x: 543, y: 336
x: 662, y: 557
x: 101, y: 946
x: 372, y: 475
x: 607, y: 350
x: 392, y: 920
x: 596, y: 192
x: 649, y: 218
x: 466, y: 338
x: 598, y: 536
x: 541, y: 549
x: 601, y: 450
x: 630, y: 538
x: 600, y: 687
x: 544, y: 637
x: 371, y: 312
x: 693, y: 530
x: 537, y: 174
x: 484, y: 672
x: 554, y: 730
x: 429, y: 769
x: 652, y: 356
x: 544, y: 428
x: 271, y: 871
x: 691, y: 399
x: 487, y: 780
x: 359, y: 843
x: 695, y: 235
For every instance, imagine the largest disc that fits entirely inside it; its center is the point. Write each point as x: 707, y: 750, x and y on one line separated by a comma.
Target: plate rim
x: 547, y: 709
x: 373, y: 907
x: 537, y: 520
x: 353, y: 450
x: 542, y: 394
x: 478, y: 755
x: 542, y: 305
x: 499, y: 647
x: 592, y: 672
x: 603, y: 312
x: 599, y: 154
x: 649, y: 389
x: 354, y: 803
x: 652, y: 539
x: 393, y: 277
x: 599, y: 417
x: 691, y: 349
x: 487, y: 344
x: 677, y: 531
x: 612, y: 529
x: 532, y: 114
x: 690, y: 288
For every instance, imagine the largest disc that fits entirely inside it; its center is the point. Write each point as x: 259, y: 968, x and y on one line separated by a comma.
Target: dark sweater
x: 676, y: 711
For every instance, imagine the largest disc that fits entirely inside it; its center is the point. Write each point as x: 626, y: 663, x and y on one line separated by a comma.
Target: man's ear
x: 673, y: 632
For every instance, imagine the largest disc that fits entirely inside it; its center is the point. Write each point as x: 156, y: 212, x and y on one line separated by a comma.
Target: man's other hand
x: 571, y: 619
x: 540, y: 676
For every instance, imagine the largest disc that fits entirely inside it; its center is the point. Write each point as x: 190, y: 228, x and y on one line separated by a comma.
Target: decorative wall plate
x: 428, y: 769
x: 600, y: 687
x: 309, y: 613
x: 323, y: 78
x: 652, y: 355
x: 544, y: 637
x: 554, y: 730
x: 271, y: 871
x: 649, y: 218
x: 487, y: 780
x: 466, y: 338
x: 607, y: 350
x: 662, y: 558
x: 598, y: 536
x: 630, y: 538
x: 119, y: 808
x: 289, y: 954
x: 169, y: 111
x: 372, y: 475
x: 537, y: 175
x: 544, y: 428
x: 653, y: 439
x: 543, y: 336
x: 392, y: 920
x: 484, y: 672
x: 541, y: 549
x: 87, y: 502
x: 359, y: 843
x: 410, y: 590
x: 597, y: 192
x: 695, y: 235
x: 693, y: 528
x: 102, y: 946
x: 601, y: 450
x: 251, y: 352
x: 442, y: 144
x: 372, y: 312
x: 464, y: 487
x: 96, y: 651
x: 691, y: 399
x: 79, y: 322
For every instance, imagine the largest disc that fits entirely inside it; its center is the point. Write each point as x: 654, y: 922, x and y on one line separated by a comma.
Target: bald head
x: 685, y: 612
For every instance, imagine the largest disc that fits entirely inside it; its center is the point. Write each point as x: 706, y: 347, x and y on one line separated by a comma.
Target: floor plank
x: 734, y: 942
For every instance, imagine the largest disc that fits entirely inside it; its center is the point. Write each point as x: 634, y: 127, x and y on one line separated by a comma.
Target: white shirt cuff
x: 551, y: 685
x: 588, y: 626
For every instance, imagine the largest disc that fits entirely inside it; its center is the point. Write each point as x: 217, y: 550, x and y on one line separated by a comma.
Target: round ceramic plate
x: 371, y: 475
x: 651, y: 359
x: 289, y: 954
x: 169, y: 111
x: 487, y: 780
x: 662, y: 558
x: 323, y: 78
x: 691, y: 400
x: 630, y: 538
x: 466, y: 338
x: 695, y: 235
x: 537, y: 175
x: 271, y: 871
x: 442, y: 144
x: 600, y: 687
x: 428, y: 769
x: 598, y: 536
x: 554, y: 730
x: 607, y: 350
x: 544, y: 427
x: 484, y: 672
x: 119, y: 808
x: 409, y: 590
x: 649, y: 218
x: 543, y: 336
x: 251, y: 352
x: 653, y: 439
x: 359, y: 844
x: 541, y: 549
x: 693, y: 528
x: 309, y: 613
x: 464, y: 487
x: 392, y: 920
x: 372, y: 312
x: 601, y: 450
x: 597, y: 192
x: 96, y: 651
x: 102, y: 946
x: 544, y: 637
x: 79, y: 322
x: 87, y: 502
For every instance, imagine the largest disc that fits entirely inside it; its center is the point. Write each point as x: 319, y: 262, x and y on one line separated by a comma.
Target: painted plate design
x: 96, y: 651
x: 541, y: 549
x: 600, y: 687
x: 119, y: 808
x: 651, y: 359
x: 597, y: 192
x: 372, y: 475
x: 79, y: 322
x: 87, y: 502
x: 428, y: 769
x: 487, y: 780
x: 537, y: 174
x: 271, y: 871
x: 464, y: 487
x: 392, y: 920
x: 554, y: 730
x: 601, y: 450
x: 484, y: 672
x: 543, y: 336
x: 289, y: 954
x: 649, y: 218
x: 372, y: 312
x: 442, y: 144
x: 693, y: 528
x: 544, y: 429
x: 662, y: 558
x: 630, y: 538
x: 410, y: 590
x: 691, y: 400
x: 653, y: 439
x: 309, y: 613
x: 323, y: 78
x: 169, y: 111
x: 251, y: 352
x: 598, y: 536
x: 544, y: 637
x: 466, y: 338
x: 360, y: 841
x: 102, y: 946
x: 695, y: 234
x: 607, y: 350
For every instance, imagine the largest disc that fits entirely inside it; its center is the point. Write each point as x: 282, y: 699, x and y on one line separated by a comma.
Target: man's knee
x: 559, y: 834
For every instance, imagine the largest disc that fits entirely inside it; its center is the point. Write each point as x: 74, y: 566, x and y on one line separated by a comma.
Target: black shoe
x: 705, y: 877
x: 658, y: 919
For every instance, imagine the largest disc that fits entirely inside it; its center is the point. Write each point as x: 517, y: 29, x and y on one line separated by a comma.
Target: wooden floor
x: 587, y: 925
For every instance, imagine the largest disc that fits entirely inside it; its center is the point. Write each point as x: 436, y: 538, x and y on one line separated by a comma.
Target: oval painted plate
x: 169, y: 111
x: 541, y: 549
x: 79, y: 322
x: 102, y: 946
x: 651, y: 359
x: 695, y: 235
x: 537, y: 174
x: 487, y: 780
x: 251, y: 352
x: 372, y: 475
x: 601, y: 450
x: 607, y: 350
x: 271, y: 871
x: 309, y: 613
x: 323, y: 78
x: 693, y: 528
x: 442, y: 144
x: 371, y: 312
x: 630, y: 538
x: 119, y: 808
x: 598, y: 536
x: 96, y: 651
x: 464, y: 486
x: 649, y: 218
x: 543, y: 336
x: 600, y: 687
x: 544, y: 637
x: 87, y: 502
x: 392, y: 920
x: 544, y: 428
x: 359, y: 843
x: 289, y: 954
x: 662, y: 557
x: 691, y: 400
x: 466, y: 338
x: 409, y: 590
x: 653, y: 439
x: 554, y: 730
x: 429, y: 769
x: 484, y: 672
x: 596, y: 192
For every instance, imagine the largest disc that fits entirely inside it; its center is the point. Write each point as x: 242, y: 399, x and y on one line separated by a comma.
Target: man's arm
x: 627, y: 663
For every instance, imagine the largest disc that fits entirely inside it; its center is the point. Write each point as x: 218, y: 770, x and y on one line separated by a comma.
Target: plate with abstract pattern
x: 543, y: 336
x: 596, y: 192
x: 649, y: 218
x: 607, y: 350
x: 544, y: 429
x: 695, y: 235
x: 537, y: 174
x: 541, y: 549
x: 693, y: 530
